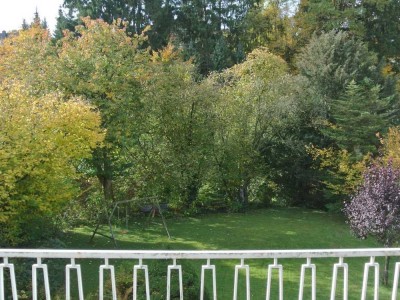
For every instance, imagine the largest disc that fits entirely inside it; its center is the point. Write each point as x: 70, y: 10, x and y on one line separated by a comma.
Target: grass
x: 291, y: 228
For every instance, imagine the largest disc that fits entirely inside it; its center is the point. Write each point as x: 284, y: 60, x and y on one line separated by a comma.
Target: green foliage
x: 381, y: 29
x: 269, y: 25
x: 64, y: 22
x: 221, y: 55
x: 197, y: 26
x: 294, y: 126
x: 242, y: 121
x: 315, y: 16
x: 332, y: 60
x: 359, y: 102
x: 106, y: 67
x: 221, y: 142
x: 175, y: 146
x: 372, y: 21
x: 359, y: 116
x: 267, y: 118
x: 340, y: 176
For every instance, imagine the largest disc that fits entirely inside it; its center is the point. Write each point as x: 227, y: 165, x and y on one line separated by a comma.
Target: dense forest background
x: 207, y: 105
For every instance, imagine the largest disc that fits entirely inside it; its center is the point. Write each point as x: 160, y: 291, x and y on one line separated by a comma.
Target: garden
x: 253, y: 125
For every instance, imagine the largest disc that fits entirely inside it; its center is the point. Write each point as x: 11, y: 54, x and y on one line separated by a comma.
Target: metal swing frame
x: 154, y: 203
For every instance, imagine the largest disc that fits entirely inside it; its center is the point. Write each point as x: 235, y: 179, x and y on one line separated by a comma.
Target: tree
x: 269, y: 25
x: 358, y: 116
x: 173, y: 156
x: 339, y: 174
x: 24, y: 25
x: 28, y: 57
x: 332, y: 60
x: 42, y: 141
x: 103, y: 66
x: 266, y: 117
x: 36, y: 20
x: 390, y: 146
x: 318, y: 17
x: 65, y: 21
x: 359, y: 102
x: 380, y: 21
x: 195, y: 26
x: 374, y: 22
x: 107, y: 68
x: 374, y: 210
x: 294, y: 124
x: 245, y: 111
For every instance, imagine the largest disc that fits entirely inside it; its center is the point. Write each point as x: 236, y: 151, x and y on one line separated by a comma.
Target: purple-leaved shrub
x: 374, y: 210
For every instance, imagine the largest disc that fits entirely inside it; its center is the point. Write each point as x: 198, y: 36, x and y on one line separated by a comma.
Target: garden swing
x: 148, y: 205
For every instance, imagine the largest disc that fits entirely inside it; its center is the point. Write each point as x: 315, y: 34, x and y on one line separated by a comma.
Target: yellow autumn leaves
x: 43, y: 135
x: 41, y: 140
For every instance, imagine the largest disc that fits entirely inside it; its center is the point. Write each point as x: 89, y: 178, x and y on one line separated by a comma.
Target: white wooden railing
x: 341, y: 254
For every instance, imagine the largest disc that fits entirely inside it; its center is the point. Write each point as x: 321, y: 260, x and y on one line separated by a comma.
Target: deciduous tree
x: 106, y: 67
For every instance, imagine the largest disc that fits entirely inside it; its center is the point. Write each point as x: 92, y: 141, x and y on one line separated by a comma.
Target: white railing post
x: 345, y: 268
x: 214, y: 279
x: 235, y: 288
x: 311, y: 266
x: 396, y: 281
x: 36, y: 266
x: 269, y: 278
x: 68, y: 269
x: 170, y: 268
x: 375, y: 265
x: 10, y: 267
x: 107, y: 266
x: 140, y: 266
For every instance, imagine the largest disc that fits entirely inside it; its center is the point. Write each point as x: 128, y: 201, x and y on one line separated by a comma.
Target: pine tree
x: 65, y: 21
x: 358, y: 116
x: 375, y: 22
x: 36, y: 20
x: 24, y: 25
x: 43, y: 24
x: 331, y: 60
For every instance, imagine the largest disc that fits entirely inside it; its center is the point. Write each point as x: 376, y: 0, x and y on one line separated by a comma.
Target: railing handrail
x: 197, y: 254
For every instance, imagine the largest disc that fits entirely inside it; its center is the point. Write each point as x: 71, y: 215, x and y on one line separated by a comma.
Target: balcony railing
x: 275, y: 256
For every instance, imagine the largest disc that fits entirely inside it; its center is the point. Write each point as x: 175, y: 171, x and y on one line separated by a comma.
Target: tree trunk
x: 104, y: 173
x: 108, y: 189
x: 193, y: 190
x: 385, y: 279
x: 244, y: 194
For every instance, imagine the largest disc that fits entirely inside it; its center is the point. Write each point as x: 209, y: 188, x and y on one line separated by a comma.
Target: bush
x: 374, y: 210
x: 211, y: 199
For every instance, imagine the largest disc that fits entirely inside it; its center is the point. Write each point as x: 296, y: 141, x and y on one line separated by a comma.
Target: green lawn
x: 260, y: 229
